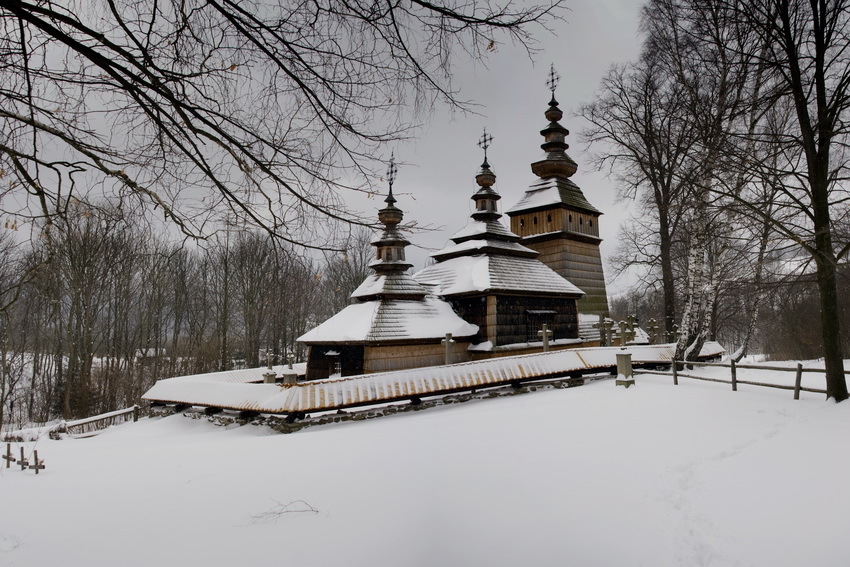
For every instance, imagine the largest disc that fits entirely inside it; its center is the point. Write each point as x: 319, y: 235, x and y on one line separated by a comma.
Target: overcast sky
x: 436, y: 182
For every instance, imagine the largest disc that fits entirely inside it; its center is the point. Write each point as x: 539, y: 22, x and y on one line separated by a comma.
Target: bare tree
x: 808, y: 65
x: 264, y: 109
x: 640, y: 117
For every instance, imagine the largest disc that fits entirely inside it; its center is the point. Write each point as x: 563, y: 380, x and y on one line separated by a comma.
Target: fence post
x: 797, y: 381
x: 734, y: 377
x: 136, y: 413
x: 675, y: 376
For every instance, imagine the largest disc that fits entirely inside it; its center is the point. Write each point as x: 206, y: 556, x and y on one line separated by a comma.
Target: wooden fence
x: 78, y: 427
x: 95, y: 423
x: 797, y: 387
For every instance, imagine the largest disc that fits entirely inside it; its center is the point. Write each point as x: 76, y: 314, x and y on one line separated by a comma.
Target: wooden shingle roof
x: 554, y: 191
x: 390, y: 320
x: 495, y: 272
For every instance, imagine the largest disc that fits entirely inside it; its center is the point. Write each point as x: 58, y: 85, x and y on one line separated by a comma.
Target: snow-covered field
x: 652, y: 475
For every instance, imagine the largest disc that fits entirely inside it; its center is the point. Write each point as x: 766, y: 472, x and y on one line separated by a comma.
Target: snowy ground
x: 655, y: 475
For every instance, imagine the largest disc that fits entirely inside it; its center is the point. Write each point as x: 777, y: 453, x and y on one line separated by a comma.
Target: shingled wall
x: 579, y: 262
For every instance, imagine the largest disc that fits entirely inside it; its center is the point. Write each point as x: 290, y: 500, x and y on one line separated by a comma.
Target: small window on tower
x: 580, y: 221
x: 590, y: 222
x: 548, y: 218
x: 535, y: 220
x: 521, y: 223
x: 571, y: 219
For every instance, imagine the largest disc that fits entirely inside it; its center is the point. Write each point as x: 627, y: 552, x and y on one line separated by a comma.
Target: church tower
x: 555, y: 219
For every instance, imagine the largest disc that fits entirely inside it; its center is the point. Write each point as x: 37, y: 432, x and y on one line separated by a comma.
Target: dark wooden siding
x: 517, y: 313
x: 473, y: 310
x: 320, y: 365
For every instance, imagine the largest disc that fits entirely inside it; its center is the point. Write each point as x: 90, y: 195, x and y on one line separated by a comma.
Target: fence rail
x: 796, y: 388
x: 102, y: 421
x: 80, y: 427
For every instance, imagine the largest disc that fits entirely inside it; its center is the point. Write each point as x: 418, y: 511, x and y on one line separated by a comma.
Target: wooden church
x: 555, y: 219
x: 394, y: 321
x: 494, y: 290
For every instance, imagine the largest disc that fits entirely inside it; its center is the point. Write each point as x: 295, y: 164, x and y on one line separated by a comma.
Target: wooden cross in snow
x: 22, y: 461
x: 8, y: 456
x: 38, y: 465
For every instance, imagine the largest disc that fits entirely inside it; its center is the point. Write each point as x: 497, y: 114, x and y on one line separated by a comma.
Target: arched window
x: 521, y: 223
x: 535, y: 220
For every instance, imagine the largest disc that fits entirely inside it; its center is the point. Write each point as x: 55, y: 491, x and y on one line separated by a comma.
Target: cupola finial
x: 552, y: 82
x: 392, y: 170
x: 484, y: 143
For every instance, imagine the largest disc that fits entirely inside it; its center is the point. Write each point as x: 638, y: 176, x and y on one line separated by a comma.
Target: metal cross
x: 552, y: 81
x: 391, y: 173
x: 484, y: 143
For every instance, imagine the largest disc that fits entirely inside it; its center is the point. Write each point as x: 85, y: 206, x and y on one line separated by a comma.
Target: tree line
x: 108, y: 306
x: 730, y: 132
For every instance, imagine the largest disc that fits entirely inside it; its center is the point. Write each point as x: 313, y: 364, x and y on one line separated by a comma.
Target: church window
x: 580, y: 221
x: 535, y: 220
x: 571, y: 219
x: 380, y: 253
x: 521, y: 223
x: 535, y: 319
x: 548, y: 218
x: 590, y: 222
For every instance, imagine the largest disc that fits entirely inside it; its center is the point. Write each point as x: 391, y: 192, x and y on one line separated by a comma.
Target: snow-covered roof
x: 480, y: 273
x: 391, y: 319
x: 552, y: 191
x: 476, y: 228
x: 332, y: 393
x: 485, y: 245
x: 393, y: 284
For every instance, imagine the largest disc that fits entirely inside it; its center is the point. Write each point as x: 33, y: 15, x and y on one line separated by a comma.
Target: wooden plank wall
x: 513, y: 317
x: 581, y: 264
x: 553, y: 220
x: 398, y: 357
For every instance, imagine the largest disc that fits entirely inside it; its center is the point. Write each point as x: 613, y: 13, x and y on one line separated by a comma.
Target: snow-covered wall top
x: 332, y: 393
